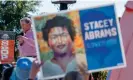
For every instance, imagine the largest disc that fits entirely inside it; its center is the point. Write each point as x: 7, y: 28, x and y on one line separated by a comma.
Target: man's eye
x: 64, y: 34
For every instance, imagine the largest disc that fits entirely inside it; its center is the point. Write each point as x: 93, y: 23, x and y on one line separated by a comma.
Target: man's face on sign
x: 59, y: 40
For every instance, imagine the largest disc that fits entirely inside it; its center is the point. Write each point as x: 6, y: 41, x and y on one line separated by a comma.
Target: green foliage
x: 100, y: 75
x: 12, y: 11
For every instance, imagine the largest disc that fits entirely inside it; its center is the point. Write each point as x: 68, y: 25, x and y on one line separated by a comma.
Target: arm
x: 83, y: 71
x: 20, y: 51
x: 35, y: 69
x: 126, y: 24
x: 13, y: 75
x: 29, y: 41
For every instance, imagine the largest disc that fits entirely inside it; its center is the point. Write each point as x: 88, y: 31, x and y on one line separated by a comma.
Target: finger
x: 38, y: 64
x: 84, y: 66
x: 36, y: 58
x: 82, y: 69
x: 19, y: 36
x: 34, y: 61
x: 42, y: 62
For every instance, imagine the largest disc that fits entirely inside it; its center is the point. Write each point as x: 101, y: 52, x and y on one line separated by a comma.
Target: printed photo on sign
x: 68, y: 38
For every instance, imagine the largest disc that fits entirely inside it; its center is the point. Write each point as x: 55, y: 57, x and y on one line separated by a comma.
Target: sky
x: 47, y: 7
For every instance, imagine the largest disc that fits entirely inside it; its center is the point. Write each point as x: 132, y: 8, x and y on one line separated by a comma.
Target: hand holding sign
x: 20, y: 39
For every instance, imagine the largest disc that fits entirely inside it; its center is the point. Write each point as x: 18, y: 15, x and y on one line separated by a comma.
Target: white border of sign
x: 110, y: 68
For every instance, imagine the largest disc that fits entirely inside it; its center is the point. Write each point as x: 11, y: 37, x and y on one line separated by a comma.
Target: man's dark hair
x: 58, y: 21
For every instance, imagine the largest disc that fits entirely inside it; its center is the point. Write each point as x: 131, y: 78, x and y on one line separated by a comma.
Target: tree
x: 12, y: 11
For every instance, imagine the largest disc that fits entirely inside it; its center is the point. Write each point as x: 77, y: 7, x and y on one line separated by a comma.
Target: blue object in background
x: 24, y: 63
x: 22, y: 69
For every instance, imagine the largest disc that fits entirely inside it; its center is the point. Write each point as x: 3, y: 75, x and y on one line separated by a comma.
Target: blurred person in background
x: 22, y: 69
x: 26, y: 42
x: 126, y: 25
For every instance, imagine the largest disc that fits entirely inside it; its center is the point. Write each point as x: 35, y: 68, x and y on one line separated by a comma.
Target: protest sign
x: 90, y: 35
x: 7, y: 46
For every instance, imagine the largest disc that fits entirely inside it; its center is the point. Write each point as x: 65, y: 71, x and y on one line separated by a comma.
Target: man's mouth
x: 61, y: 46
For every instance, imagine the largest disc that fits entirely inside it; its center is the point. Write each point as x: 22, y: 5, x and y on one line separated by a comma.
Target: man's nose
x: 59, y: 39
